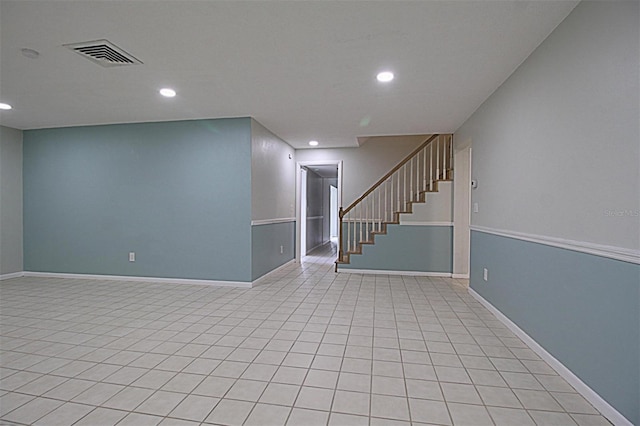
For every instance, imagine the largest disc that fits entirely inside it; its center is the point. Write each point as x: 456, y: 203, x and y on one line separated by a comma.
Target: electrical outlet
x: 132, y: 256
x: 485, y: 274
x: 475, y: 207
x: 281, y: 249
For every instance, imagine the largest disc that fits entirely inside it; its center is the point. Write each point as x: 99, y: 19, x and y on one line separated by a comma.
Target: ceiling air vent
x: 104, y: 53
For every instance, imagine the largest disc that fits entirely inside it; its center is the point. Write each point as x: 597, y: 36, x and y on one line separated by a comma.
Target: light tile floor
x: 304, y: 347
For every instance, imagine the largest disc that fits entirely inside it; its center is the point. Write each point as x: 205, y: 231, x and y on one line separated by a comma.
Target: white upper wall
x: 11, y: 244
x: 273, y: 175
x: 437, y: 208
x: 365, y: 165
x: 556, y: 149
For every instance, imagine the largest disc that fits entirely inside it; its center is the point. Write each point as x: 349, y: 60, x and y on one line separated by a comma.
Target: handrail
x: 385, y: 177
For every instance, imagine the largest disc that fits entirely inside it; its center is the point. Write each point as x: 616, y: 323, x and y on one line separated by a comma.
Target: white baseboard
x: 460, y: 276
x: 244, y: 284
x: 381, y: 272
x: 273, y: 271
x: 589, y: 394
x: 12, y: 275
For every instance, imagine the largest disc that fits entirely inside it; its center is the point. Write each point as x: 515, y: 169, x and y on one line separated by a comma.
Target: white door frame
x: 299, y: 200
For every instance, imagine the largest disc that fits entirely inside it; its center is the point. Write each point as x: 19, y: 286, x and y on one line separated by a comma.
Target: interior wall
x: 273, y: 175
x: 364, y: 165
x: 555, y: 155
x: 438, y: 208
x: 178, y: 194
x: 11, y: 257
x: 315, y: 210
x: 273, y: 181
x: 462, y: 206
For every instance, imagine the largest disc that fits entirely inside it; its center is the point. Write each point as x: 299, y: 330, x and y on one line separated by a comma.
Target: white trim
x: 407, y: 223
x: 460, y: 276
x: 12, y: 275
x: 381, y: 272
x: 270, y: 221
x: 273, y: 271
x: 246, y: 284
x: 590, y: 395
x: 617, y: 253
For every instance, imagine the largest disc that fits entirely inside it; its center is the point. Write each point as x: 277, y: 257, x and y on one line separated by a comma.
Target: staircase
x: 394, y: 194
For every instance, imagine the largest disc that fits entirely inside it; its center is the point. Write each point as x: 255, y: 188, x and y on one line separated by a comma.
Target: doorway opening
x: 319, y: 190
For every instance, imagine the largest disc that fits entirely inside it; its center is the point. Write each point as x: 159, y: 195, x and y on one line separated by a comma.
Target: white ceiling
x: 304, y: 69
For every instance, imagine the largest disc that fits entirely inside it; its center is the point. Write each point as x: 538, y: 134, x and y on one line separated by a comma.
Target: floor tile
x: 339, y: 419
x: 128, y: 398
x: 137, y: 419
x: 214, y: 386
x: 153, y: 379
x: 354, y: 382
x: 321, y: 379
x: 266, y: 414
x: 433, y: 412
x: 315, y: 398
x: 537, y: 400
x: 302, y: 416
x: 11, y: 401
x: 510, y: 416
x: 388, y: 386
x: 304, y: 346
x: 498, y: 397
x: 522, y: 381
x: 548, y: 418
x: 230, y: 412
x: 33, y: 410
x: 183, y: 382
x: 64, y: 415
x: 452, y: 374
x: 389, y: 407
x: 590, y: 420
x: 456, y: 392
x: 42, y: 385
x: 160, y: 403
x: 101, y: 416
x: 290, y: 375
x: 98, y: 394
x: 351, y: 403
x: 323, y: 362
x: 465, y: 414
x: 246, y: 390
x: 574, y: 403
x: 177, y: 422
x: 279, y: 393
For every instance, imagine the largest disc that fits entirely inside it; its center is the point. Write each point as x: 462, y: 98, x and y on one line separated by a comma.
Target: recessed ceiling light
x: 167, y: 93
x: 5, y: 106
x: 313, y: 143
x: 385, y: 76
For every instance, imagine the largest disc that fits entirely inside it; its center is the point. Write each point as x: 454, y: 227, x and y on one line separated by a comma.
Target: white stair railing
x: 407, y: 183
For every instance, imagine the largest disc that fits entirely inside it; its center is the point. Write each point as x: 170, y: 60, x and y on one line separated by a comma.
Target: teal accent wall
x: 408, y: 248
x: 176, y: 193
x: 11, y: 251
x: 583, y: 309
x: 265, y: 248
